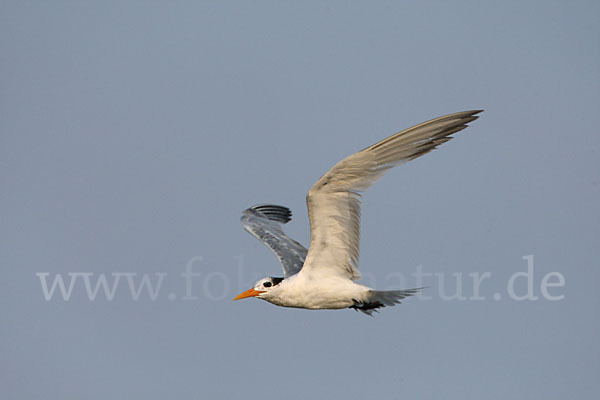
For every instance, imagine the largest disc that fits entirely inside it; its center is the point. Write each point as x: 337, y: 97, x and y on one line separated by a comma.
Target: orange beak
x: 247, y: 293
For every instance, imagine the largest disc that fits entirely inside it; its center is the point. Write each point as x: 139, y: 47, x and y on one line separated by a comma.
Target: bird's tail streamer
x: 383, y: 298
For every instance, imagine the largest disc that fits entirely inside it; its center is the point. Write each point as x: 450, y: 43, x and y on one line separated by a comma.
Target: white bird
x: 323, y: 276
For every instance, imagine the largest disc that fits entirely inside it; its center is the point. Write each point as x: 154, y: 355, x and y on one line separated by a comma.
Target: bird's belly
x: 323, y: 297
x: 319, y: 303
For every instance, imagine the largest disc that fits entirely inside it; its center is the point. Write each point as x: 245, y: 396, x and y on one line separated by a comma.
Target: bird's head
x: 261, y: 288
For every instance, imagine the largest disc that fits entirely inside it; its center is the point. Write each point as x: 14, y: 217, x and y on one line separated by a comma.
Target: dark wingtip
x: 474, y: 114
x: 274, y: 212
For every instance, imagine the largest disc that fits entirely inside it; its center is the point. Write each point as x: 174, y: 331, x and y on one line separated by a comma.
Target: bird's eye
x: 267, y: 284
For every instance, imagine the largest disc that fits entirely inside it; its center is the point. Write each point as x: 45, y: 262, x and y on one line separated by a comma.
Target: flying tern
x: 323, y: 276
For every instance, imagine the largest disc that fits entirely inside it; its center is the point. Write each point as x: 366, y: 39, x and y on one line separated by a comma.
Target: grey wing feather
x: 264, y: 222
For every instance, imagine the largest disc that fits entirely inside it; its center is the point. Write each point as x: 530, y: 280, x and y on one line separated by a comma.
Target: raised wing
x: 334, y: 200
x: 264, y: 222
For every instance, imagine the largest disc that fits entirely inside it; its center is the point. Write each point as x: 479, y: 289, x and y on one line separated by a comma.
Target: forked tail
x: 382, y: 298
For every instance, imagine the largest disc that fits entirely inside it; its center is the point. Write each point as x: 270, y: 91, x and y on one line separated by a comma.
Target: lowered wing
x: 265, y: 222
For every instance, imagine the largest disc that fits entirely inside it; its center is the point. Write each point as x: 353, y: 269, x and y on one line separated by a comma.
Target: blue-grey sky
x: 132, y: 134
